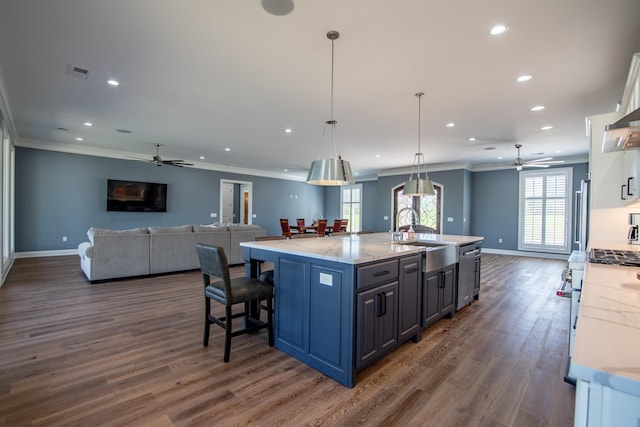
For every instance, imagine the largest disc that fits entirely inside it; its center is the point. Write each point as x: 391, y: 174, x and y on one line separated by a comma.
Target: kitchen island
x: 341, y: 303
x: 606, y: 355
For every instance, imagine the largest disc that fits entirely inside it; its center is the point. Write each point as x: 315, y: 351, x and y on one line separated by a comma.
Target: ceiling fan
x: 519, y: 163
x: 157, y: 160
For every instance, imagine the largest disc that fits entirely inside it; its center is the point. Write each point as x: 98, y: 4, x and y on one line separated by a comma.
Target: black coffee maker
x: 634, y: 236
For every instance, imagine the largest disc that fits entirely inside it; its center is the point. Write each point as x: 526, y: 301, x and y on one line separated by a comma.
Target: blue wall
x: 494, y: 205
x: 61, y: 194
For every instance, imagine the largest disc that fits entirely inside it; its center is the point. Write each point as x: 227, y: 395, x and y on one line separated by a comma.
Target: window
x: 544, y: 212
x: 428, y: 208
x: 351, y: 206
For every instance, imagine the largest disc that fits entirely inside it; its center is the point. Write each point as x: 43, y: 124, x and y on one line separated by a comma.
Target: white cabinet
x: 605, y: 168
x: 598, y: 405
x: 630, y: 186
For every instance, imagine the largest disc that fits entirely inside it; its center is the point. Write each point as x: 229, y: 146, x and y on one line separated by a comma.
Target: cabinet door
x: 388, y: 309
x: 409, y: 297
x: 367, y: 332
x: 629, y: 191
x: 430, y: 298
x: 448, y: 287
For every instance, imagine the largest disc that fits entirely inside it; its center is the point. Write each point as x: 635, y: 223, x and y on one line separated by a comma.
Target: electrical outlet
x: 254, y: 215
x: 64, y: 238
x: 450, y: 219
x: 213, y: 215
x: 386, y: 217
x: 500, y: 240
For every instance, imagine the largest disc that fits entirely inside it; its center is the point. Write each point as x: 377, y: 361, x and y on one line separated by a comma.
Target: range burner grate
x: 615, y: 257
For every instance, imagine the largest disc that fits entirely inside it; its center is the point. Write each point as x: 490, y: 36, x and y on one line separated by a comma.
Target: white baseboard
x: 59, y: 252
x: 523, y: 253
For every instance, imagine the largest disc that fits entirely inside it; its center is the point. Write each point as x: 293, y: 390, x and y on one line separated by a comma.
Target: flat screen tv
x: 133, y: 196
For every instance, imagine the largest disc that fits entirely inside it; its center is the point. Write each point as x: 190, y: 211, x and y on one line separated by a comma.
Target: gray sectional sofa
x: 111, y: 254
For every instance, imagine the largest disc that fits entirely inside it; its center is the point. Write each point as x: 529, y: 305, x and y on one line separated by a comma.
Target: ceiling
x: 201, y: 76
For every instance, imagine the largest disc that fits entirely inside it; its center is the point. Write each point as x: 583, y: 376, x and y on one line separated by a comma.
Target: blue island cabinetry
x: 342, y: 303
x: 338, y: 317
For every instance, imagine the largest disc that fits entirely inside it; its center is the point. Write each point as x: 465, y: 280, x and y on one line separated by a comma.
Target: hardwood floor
x: 129, y: 353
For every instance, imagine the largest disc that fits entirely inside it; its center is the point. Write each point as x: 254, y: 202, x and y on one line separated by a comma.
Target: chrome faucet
x: 397, y: 236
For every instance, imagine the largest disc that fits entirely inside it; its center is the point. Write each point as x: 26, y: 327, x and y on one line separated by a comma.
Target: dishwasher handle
x: 470, y: 253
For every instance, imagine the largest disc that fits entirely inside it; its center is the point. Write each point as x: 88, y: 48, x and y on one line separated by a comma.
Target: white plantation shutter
x: 545, y: 210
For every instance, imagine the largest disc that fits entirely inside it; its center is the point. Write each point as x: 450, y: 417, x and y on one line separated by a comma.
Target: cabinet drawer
x: 375, y: 274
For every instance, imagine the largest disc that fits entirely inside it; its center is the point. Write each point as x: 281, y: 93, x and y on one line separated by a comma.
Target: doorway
x: 236, y: 200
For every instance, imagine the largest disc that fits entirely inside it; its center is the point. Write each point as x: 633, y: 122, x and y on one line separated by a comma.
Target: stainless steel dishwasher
x: 467, y: 273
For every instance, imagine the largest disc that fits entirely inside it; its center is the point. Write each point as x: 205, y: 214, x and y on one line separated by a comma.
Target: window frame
x: 439, y: 205
x: 352, y: 226
x: 568, y: 211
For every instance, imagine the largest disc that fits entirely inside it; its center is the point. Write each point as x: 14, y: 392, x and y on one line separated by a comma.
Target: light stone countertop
x: 607, y: 345
x: 354, y: 249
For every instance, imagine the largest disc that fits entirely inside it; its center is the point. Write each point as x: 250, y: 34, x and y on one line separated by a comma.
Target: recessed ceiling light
x: 288, y: 130
x: 356, y: 173
x: 558, y: 151
x: 227, y: 149
x: 524, y: 78
x: 202, y: 157
x: 450, y: 124
x: 500, y: 157
x: 113, y: 82
x: 472, y: 139
x: 498, y: 29
x: 537, y: 108
x: 546, y: 127
x: 377, y: 156
x: 285, y: 170
x: 88, y: 124
x: 79, y: 139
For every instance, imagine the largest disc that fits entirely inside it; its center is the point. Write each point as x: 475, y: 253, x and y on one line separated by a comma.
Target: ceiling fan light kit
x: 334, y: 170
x: 418, y: 186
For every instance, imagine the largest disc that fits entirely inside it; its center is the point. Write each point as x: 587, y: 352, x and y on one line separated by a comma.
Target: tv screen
x: 132, y: 196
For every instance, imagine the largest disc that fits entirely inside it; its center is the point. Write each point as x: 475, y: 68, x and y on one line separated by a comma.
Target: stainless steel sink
x: 437, y: 255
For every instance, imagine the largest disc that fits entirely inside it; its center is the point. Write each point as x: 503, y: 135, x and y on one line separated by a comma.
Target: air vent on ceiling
x: 74, y: 70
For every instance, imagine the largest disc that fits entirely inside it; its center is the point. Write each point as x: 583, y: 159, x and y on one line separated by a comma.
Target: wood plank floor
x: 129, y: 353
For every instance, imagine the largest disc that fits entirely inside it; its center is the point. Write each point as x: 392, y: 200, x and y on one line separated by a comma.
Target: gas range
x: 615, y: 257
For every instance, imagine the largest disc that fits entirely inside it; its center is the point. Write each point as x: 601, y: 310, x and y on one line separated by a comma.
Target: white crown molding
x: 96, y: 152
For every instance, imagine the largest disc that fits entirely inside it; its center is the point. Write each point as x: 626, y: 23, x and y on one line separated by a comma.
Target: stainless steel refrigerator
x: 581, y: 216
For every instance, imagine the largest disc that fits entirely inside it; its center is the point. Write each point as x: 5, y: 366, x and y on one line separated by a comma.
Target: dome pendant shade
x: 330, y: 172
x: 418, y: 187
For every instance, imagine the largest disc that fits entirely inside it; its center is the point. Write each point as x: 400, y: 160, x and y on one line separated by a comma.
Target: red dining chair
x: 343, y: 226
x: 337, y: 226
x: 322, y: 227
x: 300, y: 222
x: 286, y: 230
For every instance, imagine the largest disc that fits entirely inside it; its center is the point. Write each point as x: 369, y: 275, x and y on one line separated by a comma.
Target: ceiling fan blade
x: 546, y: 159
x: 534, y: 165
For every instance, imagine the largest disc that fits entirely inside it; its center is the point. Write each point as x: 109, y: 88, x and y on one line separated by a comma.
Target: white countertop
x: 607, y: 344
x: 354, y: 249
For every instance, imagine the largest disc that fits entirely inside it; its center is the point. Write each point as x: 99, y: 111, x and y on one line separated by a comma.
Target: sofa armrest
x: 85, y: 250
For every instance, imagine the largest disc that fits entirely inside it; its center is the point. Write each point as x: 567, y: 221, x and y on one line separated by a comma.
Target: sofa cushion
x: 243, y: 227
x: 179, y: 229
x: 209, y: 228
x: 103, y: 232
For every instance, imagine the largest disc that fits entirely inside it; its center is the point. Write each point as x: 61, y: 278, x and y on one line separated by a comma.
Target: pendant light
x: 334, y: 170
x: 418, y: 186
